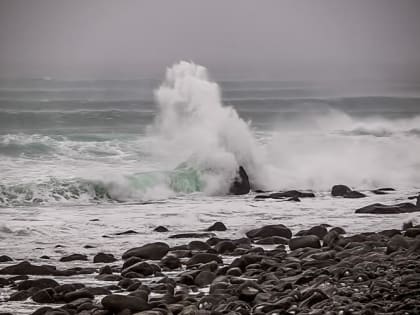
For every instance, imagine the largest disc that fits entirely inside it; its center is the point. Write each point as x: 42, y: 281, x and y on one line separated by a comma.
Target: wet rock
x: 20, y: 295
x: 354, y: 194
x: 247, y: 291
x: 271, y: 240
x: 338, y: 230
x: 78, y: 294
x: 171, y: 262
x: 318, y: 230
x: 198, y: 245
x: 160, y: 229
x: 5, y: 258
x: 131, y: 261
x: 117, y: 303
x: 142, y: 268
x: 270, y: 230
x: 395, y: 243
x: 44, y: 296
x: 204, y: 278
x: 225, y: 247
x: 287, y: 194
x: 104, y: 258
x: 74, y: 257
x: 304, y: 241
x: 42, y: 283
x: 378, y: 208
x: 240, y: 185
x: 25, y: 268
x: 218, y: 226
x: 412, y: 232
x: 202, y: 258
x: 152, y: 251
x: 192, y: 235
x: 45, y: 257
x: 340, y: 190
x: 128, y: 232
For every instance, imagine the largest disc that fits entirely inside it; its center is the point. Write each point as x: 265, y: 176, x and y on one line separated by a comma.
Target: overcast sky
x: 258, y: 39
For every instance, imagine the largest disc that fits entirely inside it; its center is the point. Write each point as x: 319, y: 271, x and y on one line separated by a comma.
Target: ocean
x: 82, y: 160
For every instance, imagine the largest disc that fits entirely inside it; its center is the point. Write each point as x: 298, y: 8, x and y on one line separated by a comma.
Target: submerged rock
x: 293, y: 195
x: 104, y: 258
x: 160, y: 229
x: 192, y: 235
x: 240, y: 185
x: 378, y: 208
x: 74, y: 257
x: 218, y: 226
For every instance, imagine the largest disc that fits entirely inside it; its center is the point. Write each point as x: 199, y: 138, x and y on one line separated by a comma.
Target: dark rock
x: 304, y: 241
x: 296, y: 199
x: 160, y: 229
x: 192, y: 235
x: 78, y: 294
x: 44, y: 296
x: 131, y: 261
x: 198, y: 245
x: 218, y: 226
x: 271, y: 240
x: 104, y: 258
x: 287, y: 194
x: 390, y: 233
x: 338, y: 230
x: 128, y: 232
x: 240, y: 185
x: 204, y: 278
x: 340, y: 190
x: 20, y: 295
x: 143, y: 268
x: 354, y: 194
x: 225, y: 247
x: 247, y: 291
x: 45, y: 257
x: 412, y: 232
x: 25, y: 268
x: 171, y: 262
x: 378, y: 208
x: 202, y: 258
x: 74, y: 257
x: 4, y: 258
x: 395, y: 243
x: 318, y: 230
x: 152, y: 251
x: 41, y: 283
x: 270, y: 230
x: 117, y: 303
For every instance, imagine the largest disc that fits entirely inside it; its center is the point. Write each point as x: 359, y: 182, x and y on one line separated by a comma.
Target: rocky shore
x: 270, y: 271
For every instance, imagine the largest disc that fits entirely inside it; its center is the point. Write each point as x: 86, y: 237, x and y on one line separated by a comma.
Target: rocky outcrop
x: 240, y: 185
x: 378, y: 208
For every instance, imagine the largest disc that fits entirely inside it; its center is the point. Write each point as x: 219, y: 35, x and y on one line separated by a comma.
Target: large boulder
x: 240, y: 185
x: 378, y: 208
x: 340, y: 190
x: 26, y: 268
x: 270, y: 230
x: 152, y: 251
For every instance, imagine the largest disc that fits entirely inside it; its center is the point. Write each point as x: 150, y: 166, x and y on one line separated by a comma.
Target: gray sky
x: 254, y: 39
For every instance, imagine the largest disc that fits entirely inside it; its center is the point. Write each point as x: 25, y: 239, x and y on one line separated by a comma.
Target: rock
x: 104, y: 258
x: 74, y: 257
x: 117, y: 303
x: 25, y: 268
x: 4, y: 258
x: 378, y: 208
x: 270, y: 230
x: 218, y: 226
x: 202, y: 258
x: 318, y: 230
x: 390, y: 233
x: 338, y: 230
x: 412, y: 232
x: 198, y: 246
x: 271, y: 240
x: 340, y: 190
x: 44, y: 296
x: 192, y: 235
x: 20, y: 295
x: 128, y: 232
x: 240, y: 185
x: 152, y: 251
x: 78, y: 294
x: 287, y: 194
x: 142, y: 268
x: 160, y: 229
x: 41, y: 283
x: 395, y: 243
x: 223, y: 247
x: 171, y: 262
x: 204, y: 278
x: 247, y: 291
x: 354, y: 194
x: 304, y: 241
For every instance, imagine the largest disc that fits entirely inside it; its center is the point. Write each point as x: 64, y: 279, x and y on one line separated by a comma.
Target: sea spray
x: 193, y: 127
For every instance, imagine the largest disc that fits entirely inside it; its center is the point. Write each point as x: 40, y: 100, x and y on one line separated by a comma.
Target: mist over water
x: 82, y: 142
